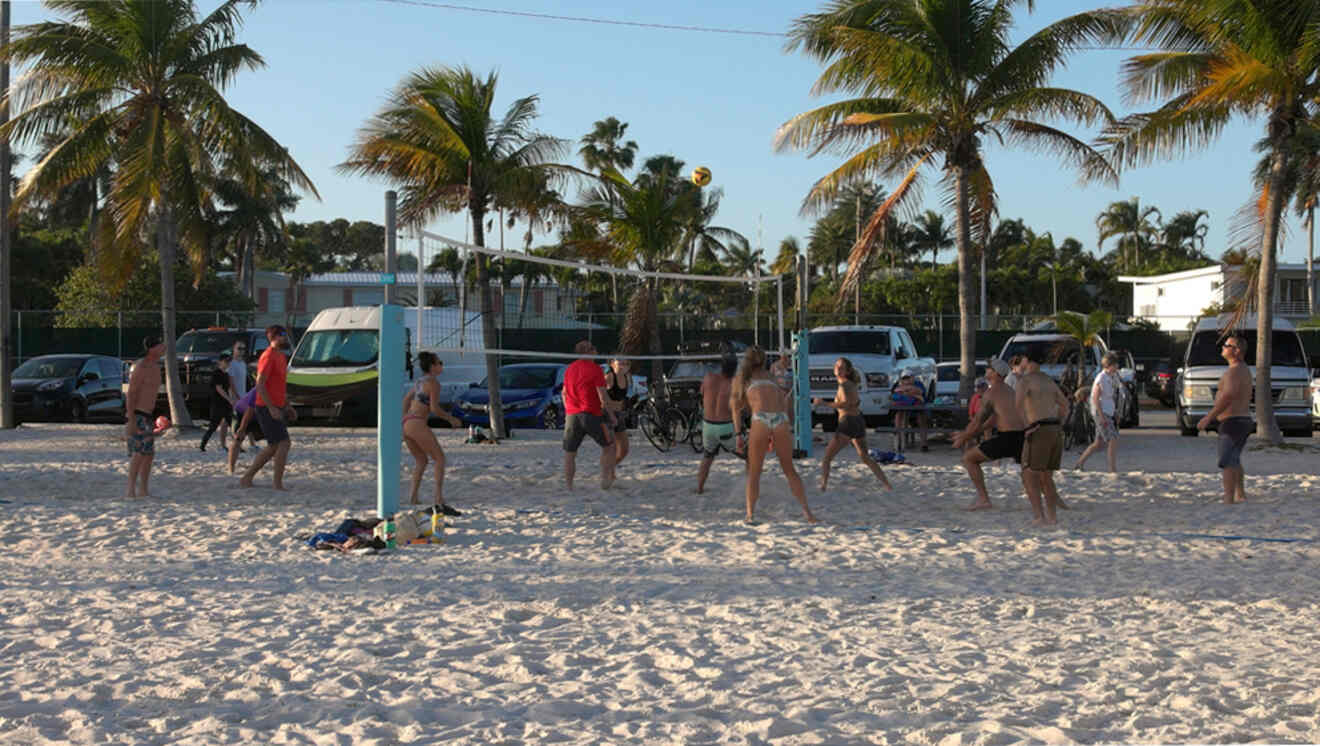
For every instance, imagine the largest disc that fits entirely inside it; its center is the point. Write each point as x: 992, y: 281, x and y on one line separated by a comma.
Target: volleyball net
x: 545, y: 301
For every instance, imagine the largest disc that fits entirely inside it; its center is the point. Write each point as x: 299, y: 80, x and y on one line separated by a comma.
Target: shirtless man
x: 1233, y: 412
x: 716, y: 417
x: 1044, y: 406
x: 143, y: 386
x: 998, y: 405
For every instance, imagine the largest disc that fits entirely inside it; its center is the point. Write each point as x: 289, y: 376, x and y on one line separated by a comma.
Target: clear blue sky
x: 708, y: 99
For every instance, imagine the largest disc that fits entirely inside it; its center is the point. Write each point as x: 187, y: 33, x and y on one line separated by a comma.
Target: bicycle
x: 661, y: 423
x: 1079, y: 426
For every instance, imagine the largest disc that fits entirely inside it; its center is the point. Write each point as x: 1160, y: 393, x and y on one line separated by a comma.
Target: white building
x: 1175, y: 300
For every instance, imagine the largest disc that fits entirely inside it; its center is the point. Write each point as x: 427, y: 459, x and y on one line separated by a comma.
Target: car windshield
x: 694, y: 368
x: 49, y: 367
x: 948, y: 373
x: 542, y: 377
x: 338, y: 347
x: 849, y: 343
x: 1287, y: 352
x: 209, y: 342
x: 1052, y: 351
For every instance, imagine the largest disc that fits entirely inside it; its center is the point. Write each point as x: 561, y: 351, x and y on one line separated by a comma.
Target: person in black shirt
x: 222, y: 401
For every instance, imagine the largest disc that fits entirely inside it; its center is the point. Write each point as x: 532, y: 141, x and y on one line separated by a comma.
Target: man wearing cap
x: 139, y: 404
x: 271, y: 409
x: 997, y: 405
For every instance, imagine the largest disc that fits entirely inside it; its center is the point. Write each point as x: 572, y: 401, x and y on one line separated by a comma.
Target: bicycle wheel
x: 656, y: 430
x: 694, y: 432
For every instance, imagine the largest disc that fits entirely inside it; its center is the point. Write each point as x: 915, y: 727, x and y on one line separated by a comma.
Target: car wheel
x: 1296, y: 433
x: 78, y: 411
x: 1190, y: 432
x: 551, y: 419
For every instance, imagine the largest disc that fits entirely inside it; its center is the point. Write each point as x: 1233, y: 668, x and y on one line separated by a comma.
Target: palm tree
x: 1134, y: 227
x: 647, y: 220
x: 138, y: 84
x: 1085, y: 330
x: 930, y: 233
x: 1184, y: 234
x: 251, y: 223
x: 933, y: 78
x: 1217, y: 59
x: 438, y: 140
x: 785, y: 262
x: 603, y: 148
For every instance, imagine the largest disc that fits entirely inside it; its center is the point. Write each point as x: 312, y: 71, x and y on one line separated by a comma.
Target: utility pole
x: 6, y: 250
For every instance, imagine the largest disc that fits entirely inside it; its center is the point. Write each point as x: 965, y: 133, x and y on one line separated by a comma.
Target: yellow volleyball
x: 701, y: 176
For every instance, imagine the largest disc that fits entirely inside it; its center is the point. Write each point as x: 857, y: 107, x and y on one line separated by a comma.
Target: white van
x: 334, y: 369
x: 1290, y: 381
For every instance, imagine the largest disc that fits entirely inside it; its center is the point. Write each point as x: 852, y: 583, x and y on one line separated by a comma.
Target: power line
x: 582, y: 19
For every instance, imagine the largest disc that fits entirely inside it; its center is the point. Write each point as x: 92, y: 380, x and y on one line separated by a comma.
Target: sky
x: 706, y: 98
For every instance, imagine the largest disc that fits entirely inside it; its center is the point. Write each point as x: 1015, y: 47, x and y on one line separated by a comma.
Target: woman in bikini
x: 619, y: 379
x: 852, y: 428
x: 422, y: 401
x: 754, y: 389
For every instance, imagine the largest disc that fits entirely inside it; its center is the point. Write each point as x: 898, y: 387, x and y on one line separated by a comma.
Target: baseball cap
x: 1000, y: 367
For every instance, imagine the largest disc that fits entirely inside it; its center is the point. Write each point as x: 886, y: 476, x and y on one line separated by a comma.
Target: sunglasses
x: 1232, y: 347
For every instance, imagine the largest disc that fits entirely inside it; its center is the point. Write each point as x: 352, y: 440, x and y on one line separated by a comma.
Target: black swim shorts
x: 276, y: 431
x: 1007, y: 444
x: 1233, y: 432
x: 852, y: 426
x: 581, y: 425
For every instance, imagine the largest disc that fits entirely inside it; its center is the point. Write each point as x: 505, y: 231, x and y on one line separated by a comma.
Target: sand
x: 649, y: 614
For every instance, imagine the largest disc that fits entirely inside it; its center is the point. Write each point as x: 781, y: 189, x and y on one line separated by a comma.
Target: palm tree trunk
x: 653, y: 343
x: 966, y: 333
x: 1310, y: 265
x: 166, y: 248
x: 1265, y: 424
x: 488, y: 332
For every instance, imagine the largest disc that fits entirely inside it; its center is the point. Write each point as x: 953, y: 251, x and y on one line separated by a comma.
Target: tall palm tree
x: 931, y: 234
x: 1216, y: 59
x: 249, y: 221
x: 604, y: 147
x: 138, y: 84
x: 1184, y: 234
x: 785, y: 262
x: 437, y: 139
x: 933, y: 79
x: 1135, y: 227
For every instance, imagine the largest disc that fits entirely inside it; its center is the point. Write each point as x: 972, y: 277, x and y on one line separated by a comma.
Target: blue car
x: 532, y: 394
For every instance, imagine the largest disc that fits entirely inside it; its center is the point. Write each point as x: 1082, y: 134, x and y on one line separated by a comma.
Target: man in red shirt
x: 584, y: 392
x: 271, y: 408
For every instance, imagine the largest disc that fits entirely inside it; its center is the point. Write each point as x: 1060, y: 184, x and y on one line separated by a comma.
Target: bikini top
x: 419, y: 391
x: 761, y: 382
x: 615, y: 391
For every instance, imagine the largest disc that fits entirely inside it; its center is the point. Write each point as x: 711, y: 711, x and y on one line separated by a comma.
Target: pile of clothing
x: 887, y: 457
x: 353, y: 535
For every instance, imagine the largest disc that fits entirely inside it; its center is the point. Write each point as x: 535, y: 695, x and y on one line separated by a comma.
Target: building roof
x: 1186, y: 274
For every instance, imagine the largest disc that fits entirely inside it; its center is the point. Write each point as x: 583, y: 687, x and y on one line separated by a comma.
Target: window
x: 1214, y: 284
x: 111, y: 369
x: 338, y: 347
x: 1293, y: 290
x: 1159, y: 292
x: 368, y: 296
x: 843, y: 343
x: 275, y: 301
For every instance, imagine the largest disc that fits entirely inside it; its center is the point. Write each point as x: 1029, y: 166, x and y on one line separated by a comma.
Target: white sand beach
x: 649, y: 614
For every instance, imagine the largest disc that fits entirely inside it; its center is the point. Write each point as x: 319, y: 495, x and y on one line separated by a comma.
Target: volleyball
x: 162, y: 423
x: 701, y: 176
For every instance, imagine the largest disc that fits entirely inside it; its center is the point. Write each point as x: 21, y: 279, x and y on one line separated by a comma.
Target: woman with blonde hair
x: 852, y: 427
x: 755, y: 390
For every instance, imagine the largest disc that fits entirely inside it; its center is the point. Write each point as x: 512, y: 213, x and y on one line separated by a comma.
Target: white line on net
x: 597, y: 267
x: 564, y: 355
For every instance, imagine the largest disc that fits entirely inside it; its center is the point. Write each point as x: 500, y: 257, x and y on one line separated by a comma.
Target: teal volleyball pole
x: 389, y: 410
x: 801, y: 394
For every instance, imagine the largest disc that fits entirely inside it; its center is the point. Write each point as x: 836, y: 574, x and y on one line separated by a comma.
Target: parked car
x: 1129, y: 406
x: 1059, y: 351
x: 1159, y: 382
x: 948, y: 375
x: 79, y: 388
x: 532, y: 394
x: 1315, y: 399
x: 198, y: 351
x: 682, y: 382
x: 881, y: 354
x: 1290, y: 377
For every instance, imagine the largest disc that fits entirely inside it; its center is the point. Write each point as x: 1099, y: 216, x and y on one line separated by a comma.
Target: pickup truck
x: 1198, y: 380
x: 881, y: 354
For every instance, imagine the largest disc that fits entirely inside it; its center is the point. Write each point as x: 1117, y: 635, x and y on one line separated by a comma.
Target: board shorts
x: 1006, y: 444
x: 1042, y: 449
x: 852, y: 426
x: 716, y: 435
x: 1106, y: 430
x: 276, y: 431
x: 144, y: 441
x: 581, y: 425
x: 221, y: 410
x: 620, y: 423
x: 1233, y: 432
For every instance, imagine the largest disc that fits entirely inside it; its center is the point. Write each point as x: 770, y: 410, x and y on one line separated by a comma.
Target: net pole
x: 389, y: 410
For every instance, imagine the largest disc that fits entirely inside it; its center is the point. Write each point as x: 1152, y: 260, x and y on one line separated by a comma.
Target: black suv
x: 198, y: 351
